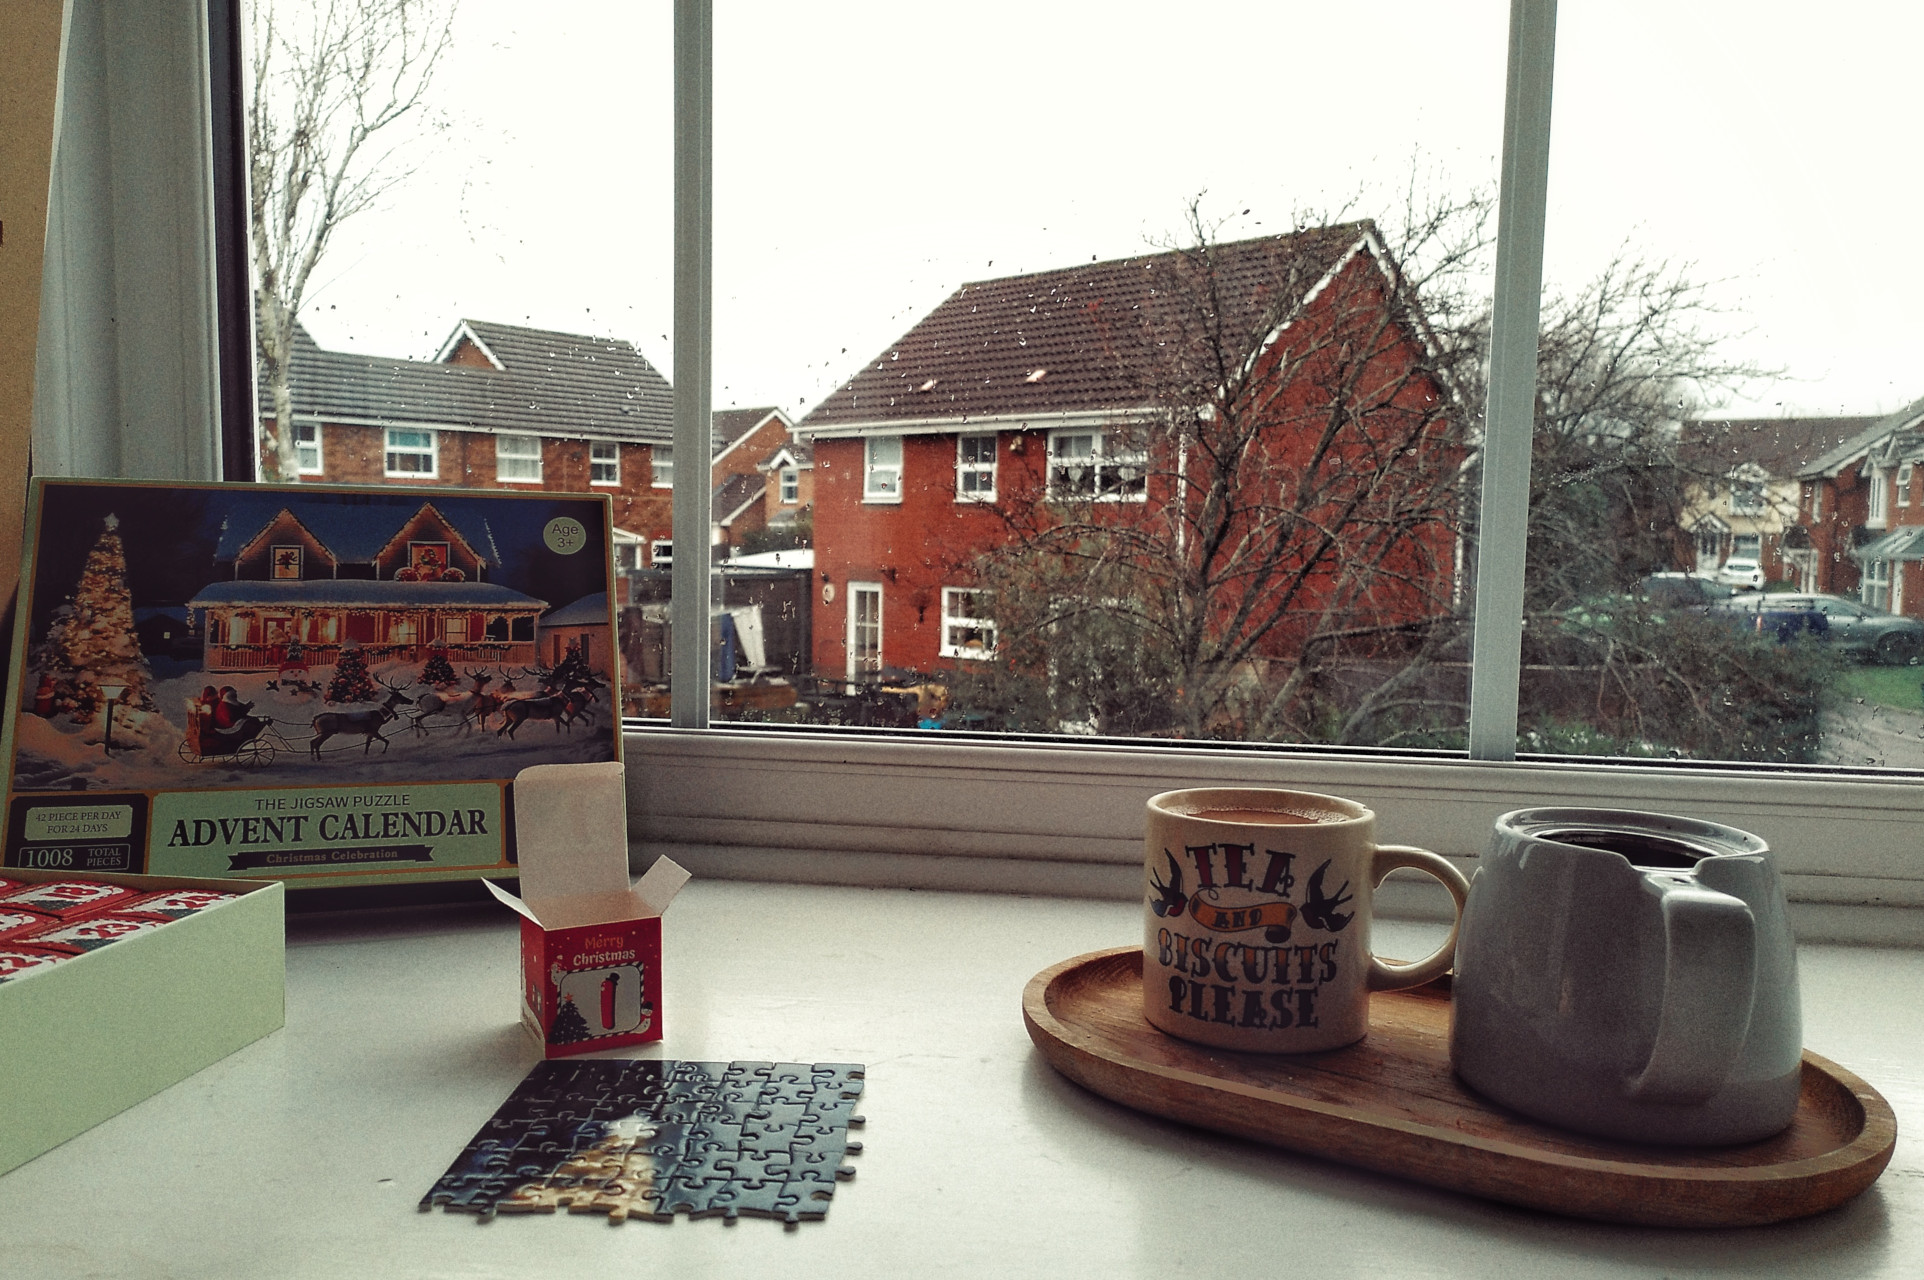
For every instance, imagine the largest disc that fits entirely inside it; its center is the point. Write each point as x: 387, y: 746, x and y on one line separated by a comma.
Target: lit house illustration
x: 309, y: 579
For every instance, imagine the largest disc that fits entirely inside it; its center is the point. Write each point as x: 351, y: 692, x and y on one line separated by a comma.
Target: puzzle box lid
x: 571, y: 836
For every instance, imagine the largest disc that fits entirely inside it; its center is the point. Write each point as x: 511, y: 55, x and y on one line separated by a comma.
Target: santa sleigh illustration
x: 221, y: 728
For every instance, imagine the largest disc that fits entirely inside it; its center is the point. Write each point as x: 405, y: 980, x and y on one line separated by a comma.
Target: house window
x: 791, y: 485
x: 287, y: 563
x: 1816, y: 503
x: 454, y: 629
x: 1877, y: 500
x: 604, y: 462
x: 864, y: 629
x: 1746, y: 497
x: 410, y: 453
x: 518, y: 459
x: 1710, y: 544
x: 1875, y: 590
x: 1747, y: 546
x: 882, y: 469
x: 1904, y: 485
x: 307, y: 446
x: 1098, y: 466
x: 662, y: 459
x: 975, y: 468
x: 967, y: 629
x: 661, y: 553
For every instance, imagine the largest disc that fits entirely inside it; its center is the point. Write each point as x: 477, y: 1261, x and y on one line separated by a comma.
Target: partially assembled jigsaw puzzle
x: 651, y: 1139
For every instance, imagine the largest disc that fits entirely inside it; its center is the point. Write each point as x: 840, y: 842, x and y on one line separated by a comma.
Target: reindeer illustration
x: 366, y: 723
x: 544, y: 706
x: 463, y: 704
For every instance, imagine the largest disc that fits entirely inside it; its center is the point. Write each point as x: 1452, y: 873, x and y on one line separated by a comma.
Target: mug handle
x: 1709, y: 983
x: 1389, y: 857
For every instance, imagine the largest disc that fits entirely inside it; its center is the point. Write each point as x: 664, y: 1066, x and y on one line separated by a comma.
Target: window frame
x: 432, y: 450
x: 1904, y: 471
x: 946, y: 648
x: 661, y: 553
x: 502, y: 458
x: 301, y: 448
x: 967, y: 468
x: 874, y: 470
x: 1874, y: 587
x: 1748, y: 497
x: 595, y: 464
x: 1082, y: 834
x: 857, y: 591
x: 788, y: 482
x: 661, y: 463
x: 1102, y: 458
x: 1876, y: 501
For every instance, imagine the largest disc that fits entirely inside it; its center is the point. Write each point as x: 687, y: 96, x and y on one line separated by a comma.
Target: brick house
x: 500, y: 406
x: 744, y: 440
x: 1861, y: 510
x: 1028, y: 391
x: 1751, y: 508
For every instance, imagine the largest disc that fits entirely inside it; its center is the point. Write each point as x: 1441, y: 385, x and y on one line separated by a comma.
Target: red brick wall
x: 358, y: 455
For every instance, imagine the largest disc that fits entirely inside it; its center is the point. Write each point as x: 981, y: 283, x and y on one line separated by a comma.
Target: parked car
x: 1778, y: 615
x: 1682, y: 590
x: 1851, y: 627
x: 1743, y: 572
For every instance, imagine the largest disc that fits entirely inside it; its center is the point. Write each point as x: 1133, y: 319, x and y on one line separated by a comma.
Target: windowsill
x: 940, y: 812
x: 980, y: 1160
x: 536, y: 481
x: 881, y: 500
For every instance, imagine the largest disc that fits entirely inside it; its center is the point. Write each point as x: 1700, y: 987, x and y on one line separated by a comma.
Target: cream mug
x: 1256, y: 918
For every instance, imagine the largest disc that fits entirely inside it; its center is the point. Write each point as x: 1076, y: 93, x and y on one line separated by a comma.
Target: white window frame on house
x: 604, y: 462
x: 431, y: 451
x: 1816, y: 501
x: 1876, y: 508
x: 965, y: 621
x: 1875, y: 587
x: 1904, y: 485
x: 661, y: 553
x: 1108, y: 460
x: 864, y: 661
x: 307, y: 448
x: 789, y: 480
x: 517, y: 459
x: 1747, y: 546
x: 1746, y: 497
x: 661, y: 463
x: 975, y: 474
x: 868, y: 809
x: 882, y: 468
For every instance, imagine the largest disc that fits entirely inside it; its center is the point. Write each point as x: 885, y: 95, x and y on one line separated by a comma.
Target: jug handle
x: 1709, y: 982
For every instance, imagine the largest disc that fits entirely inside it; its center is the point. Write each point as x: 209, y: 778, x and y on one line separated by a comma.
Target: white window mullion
x: 1503, y: 518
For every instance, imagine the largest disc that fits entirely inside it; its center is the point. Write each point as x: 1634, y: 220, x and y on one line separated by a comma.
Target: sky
x: 872, y: 157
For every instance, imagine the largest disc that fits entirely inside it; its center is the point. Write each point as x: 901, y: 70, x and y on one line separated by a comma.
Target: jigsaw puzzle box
x: 88, y: 1037
x: 311, y: 683
x: 590, y: 938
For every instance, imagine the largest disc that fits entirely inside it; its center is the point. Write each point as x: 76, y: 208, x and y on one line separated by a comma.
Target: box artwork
x: 316, y: 684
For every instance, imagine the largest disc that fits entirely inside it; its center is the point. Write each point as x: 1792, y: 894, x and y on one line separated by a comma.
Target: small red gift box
x: 590, y: 939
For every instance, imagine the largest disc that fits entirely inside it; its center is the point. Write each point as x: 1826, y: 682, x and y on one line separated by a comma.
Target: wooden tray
x: 1390, y: 1103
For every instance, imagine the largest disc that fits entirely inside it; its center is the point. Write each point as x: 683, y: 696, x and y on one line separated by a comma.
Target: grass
x: 1901, y: 687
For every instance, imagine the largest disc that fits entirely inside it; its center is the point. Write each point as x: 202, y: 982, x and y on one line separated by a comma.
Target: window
x: 864, y: 630
x: 286, y: 563
x: 663, y: 462
x: 1098, y: 466
x: 967, y: 629
x: 1746, y: 497
x: 1710, y: 545
x: 307, y: 443
x: 975, y: 468
x: 791, y: 485
x: 1877, y: 499
x: 882, y: 469
x: 661, y: 553
x: 604, y: 462
x: 410, y: 453
x: 1746, y: 546
x: 1875, y: 590
x: 518, y: 459
x: 1646, y: 786
x: 1816, y: 503
x: 1904, y: 485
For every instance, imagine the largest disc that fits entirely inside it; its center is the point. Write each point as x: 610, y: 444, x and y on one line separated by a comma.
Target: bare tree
x: 329, y: 80
x: 1287, y: 497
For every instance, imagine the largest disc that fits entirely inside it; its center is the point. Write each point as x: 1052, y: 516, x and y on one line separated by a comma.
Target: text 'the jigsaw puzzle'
x: 651, y: 1139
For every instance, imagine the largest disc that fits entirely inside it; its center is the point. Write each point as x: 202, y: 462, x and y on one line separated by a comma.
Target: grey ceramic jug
x: 1630, y: 975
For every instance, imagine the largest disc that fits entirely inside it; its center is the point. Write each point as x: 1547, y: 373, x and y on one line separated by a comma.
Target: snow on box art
x: 319, y: 684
